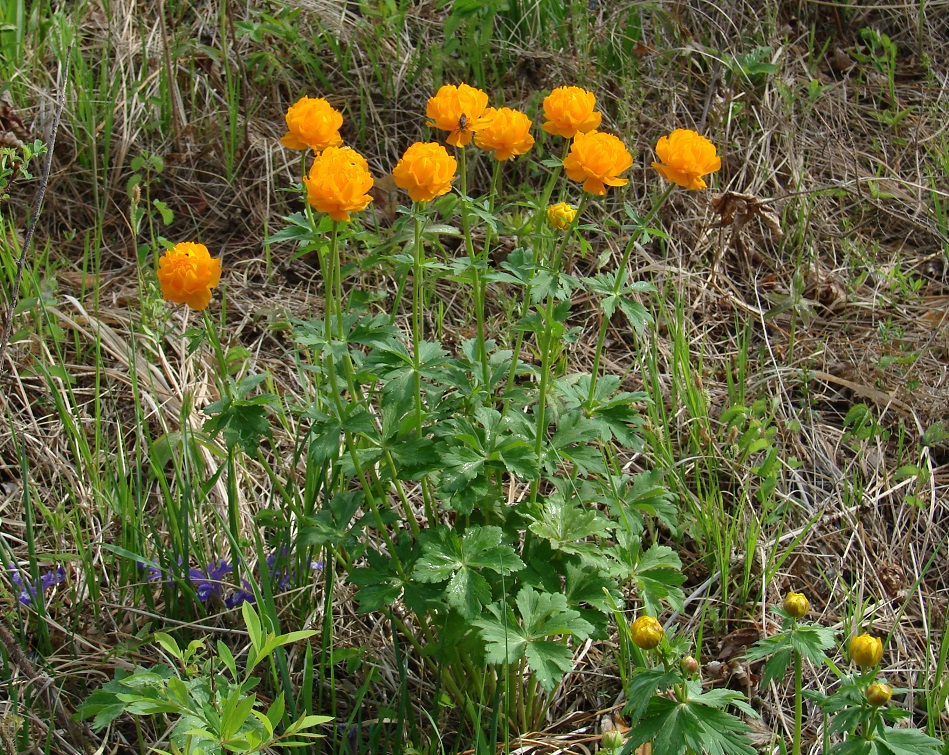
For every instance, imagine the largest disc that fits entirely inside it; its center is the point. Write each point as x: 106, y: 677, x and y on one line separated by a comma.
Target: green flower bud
x: 689, y: 665
x: 612, y: 739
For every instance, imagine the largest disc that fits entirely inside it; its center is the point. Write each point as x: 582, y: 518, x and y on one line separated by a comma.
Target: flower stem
x: 418, y: 302
x: 618, y: 284
x: 546, y: 339
x: 798, y: 702
x: 539, y: 220
x: 474, y: 261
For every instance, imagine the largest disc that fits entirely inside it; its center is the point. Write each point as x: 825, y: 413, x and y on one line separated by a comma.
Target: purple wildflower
x: 245, y: 595
x: 27, y: 591
x: 279, y: 576
x: 209, y: 581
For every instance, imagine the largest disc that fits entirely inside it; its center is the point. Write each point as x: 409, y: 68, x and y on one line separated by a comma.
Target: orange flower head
x: 339, y: 182
x: 561, y: 215
x: 597, y: 158
x: 458, y: 110
x: 312, y: 123
x: 507, y: 132
x: 686, y: 157
x: 866, y: 650
x: 425, y: 171
x: 570, y: 111
x: 187, y: 273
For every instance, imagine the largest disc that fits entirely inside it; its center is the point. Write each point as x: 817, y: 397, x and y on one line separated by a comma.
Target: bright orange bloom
x: 312, y: 123
x: 597, y: 158
x: 569, y: 111
x: 425, y: 171
x: 339, y: 182
x: 561, y: 215
x: 507, y: 132
x: 686, y: 157
x: 458, y: 110
x: 187, y: 273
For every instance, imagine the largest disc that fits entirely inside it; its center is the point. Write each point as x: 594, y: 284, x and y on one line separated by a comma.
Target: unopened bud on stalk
x: 866, y: 650
x: 647, y: 632
x: 879, y: 694
x: 612, y: 740
x: 689, y: 665
x: 796, y: 605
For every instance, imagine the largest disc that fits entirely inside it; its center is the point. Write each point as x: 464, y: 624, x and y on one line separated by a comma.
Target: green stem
x: 224, y: 385
x: 417, y: 318
x: 474, y: 261
x: 540, y: 218
x: 618, y: 284
x: 798, y: 702
x: 546, y: 342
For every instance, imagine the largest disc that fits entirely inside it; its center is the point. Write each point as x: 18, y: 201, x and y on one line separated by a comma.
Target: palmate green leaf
x: 811, y: 640
x: 331, y: 524
x: 646, y: 493
x: 569, y: 527
x: 381, y: 583
x: 675, y: 728
x: 643, y: 687
x: 542, y: 616
x: 776, y: 667
x: 890, y: 741
x: 243, y: 422
x: 908, y: 742
x: 657, y: 572
x: 446, y: 556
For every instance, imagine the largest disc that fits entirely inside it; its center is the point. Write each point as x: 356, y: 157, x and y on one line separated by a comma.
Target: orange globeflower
x: 425, y: 171
x: 686, y: 157
x: 314, y: 123
x: 597, y: 158
x: 457, y: 109
x: 506, y: 131
x: 569, y: 111
x: 338, y: 182
x: 187, y: 273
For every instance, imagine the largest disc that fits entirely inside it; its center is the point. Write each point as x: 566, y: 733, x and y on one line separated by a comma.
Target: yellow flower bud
x: 866, y: 650
x: 561, y: 215
x: 879, y: 694
x: 796, y: 605
x: 686, y: 157
x: 647, y: 632
x: 187, y: 274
